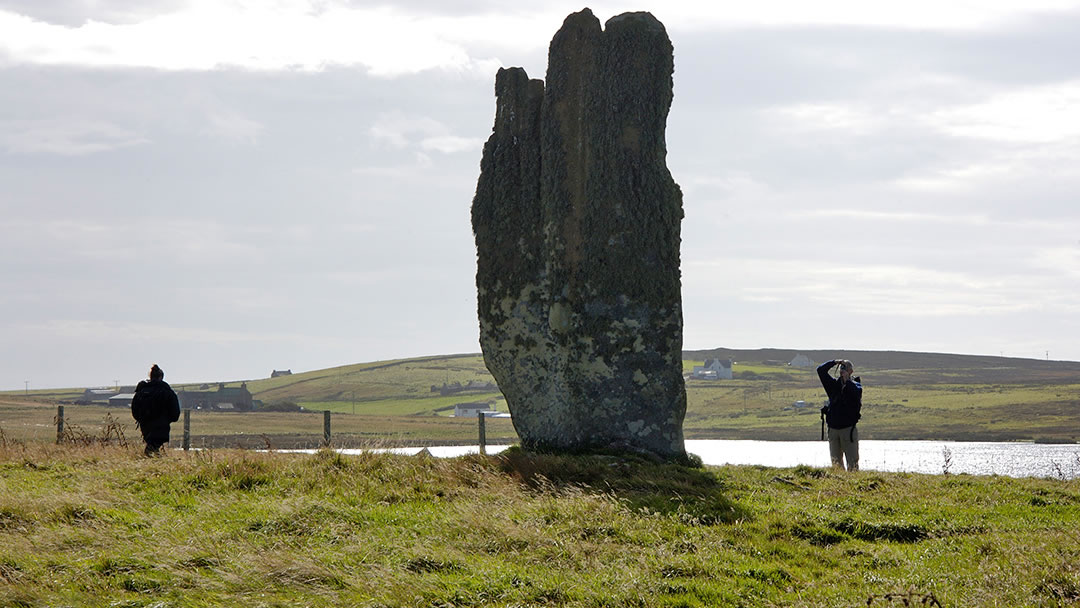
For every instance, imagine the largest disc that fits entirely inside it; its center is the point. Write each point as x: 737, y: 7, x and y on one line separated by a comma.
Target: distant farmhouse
x: 475, y: 408
x: 801, y: 360
x: 103, y: 396
x: 714, y: 369
x: 279, y: 373
x: 97, y: 395
x: 121, y: 399
x: 224, y: 399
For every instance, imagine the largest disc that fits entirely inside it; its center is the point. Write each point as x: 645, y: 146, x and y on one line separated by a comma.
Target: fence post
x: 59, y: 423
x: 326, y: 427
x: 187, y: 429
x: 480, y: 417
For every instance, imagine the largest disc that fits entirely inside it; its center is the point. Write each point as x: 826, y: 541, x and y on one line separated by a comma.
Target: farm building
x: 470, y: 410
x: 714, y: 369
x: 97, y: 395
x: 228, y: 399
x: 473, y: 409
x: 121, y: 400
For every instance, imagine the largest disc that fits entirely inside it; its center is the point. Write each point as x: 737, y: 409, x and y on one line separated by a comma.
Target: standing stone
x: 577, y: 222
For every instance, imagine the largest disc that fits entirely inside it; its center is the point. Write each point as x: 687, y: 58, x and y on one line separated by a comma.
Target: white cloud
x: 891, y: 290
x: 401, y: 131
x: 390, y: 40
x: 1038, y: 115
x: 81, y: 330
x: 450, y: 144
x: 233, y: 126
x: 66, y: 137
x: 390, y: 172
x: 208, y: 35
x: 849, y: 118
x: 1064, y: 260
x: 894, y: 216
x: 921, y: 14
x: 153, y: 241
x: 998, y: 163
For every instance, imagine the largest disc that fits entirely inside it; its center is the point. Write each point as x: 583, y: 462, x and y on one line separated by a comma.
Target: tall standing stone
x: 577, y: 222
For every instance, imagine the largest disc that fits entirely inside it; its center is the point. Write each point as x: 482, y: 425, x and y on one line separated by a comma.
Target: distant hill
x: 908, y: 395
x: 884, y: 359
x: 409, y: 379
x: 900, y: 366
x: 413, y: 378
x: 400, y: 380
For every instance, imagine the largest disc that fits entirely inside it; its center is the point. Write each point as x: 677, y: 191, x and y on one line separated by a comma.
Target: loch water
x: 1011, y: 459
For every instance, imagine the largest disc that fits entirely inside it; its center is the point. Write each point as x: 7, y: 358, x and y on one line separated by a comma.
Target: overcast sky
x: 230, y: 187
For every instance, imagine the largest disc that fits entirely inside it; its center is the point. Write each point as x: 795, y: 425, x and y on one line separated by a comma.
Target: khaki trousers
x: 844, y: 444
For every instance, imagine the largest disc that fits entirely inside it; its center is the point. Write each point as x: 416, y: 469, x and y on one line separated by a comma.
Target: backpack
x: 139, y: 407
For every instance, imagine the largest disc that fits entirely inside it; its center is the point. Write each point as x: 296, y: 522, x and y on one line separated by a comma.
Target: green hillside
x: 907, y: 396
x: 401, y: 387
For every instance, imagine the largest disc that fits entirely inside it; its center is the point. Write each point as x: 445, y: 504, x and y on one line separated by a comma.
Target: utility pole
x: 26, y: 387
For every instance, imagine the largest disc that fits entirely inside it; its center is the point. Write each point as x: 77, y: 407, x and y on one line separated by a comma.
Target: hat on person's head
x: 156, y: 373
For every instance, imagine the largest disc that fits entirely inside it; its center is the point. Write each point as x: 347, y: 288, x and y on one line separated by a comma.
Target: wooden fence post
x: 326, y: 427
x: 59, y: 423
x: 187, y: 429
x: 480, y: 417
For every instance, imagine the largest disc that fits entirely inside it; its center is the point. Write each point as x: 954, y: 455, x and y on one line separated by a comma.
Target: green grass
x: 104, y: 527
x: 434, y: 405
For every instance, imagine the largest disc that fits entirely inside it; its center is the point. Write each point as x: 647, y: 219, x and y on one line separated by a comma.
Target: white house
x: 801, y: 360
x: 714, y: 369
x: 473, y: 409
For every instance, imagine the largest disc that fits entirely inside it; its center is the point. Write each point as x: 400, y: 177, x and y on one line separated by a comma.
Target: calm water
x: 977, y: 458
x: 1013, y: 459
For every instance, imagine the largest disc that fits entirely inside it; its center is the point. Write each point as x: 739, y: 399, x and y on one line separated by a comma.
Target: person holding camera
x: 842, y: 412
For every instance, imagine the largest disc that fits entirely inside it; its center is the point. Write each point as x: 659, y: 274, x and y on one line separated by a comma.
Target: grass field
x: 907, y: 396
x: 102, y: 526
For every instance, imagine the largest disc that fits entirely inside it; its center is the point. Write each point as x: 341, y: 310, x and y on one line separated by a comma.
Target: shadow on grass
x: 690, y: 493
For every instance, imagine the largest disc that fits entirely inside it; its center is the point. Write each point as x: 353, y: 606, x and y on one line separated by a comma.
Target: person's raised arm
x: 823, y: 370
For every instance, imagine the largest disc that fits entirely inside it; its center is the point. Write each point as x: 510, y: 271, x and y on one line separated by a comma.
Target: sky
x: 228, y: 187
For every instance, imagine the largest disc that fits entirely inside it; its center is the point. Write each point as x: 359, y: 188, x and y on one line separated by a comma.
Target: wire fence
x: 197, y: 429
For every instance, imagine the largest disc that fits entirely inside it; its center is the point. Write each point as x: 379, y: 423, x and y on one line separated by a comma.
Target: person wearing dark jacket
x: 842, y: 413
x: 154, y: 407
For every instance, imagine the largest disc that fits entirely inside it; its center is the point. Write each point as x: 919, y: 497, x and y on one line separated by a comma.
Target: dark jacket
x: 154, y: 407
x: 845, y: 399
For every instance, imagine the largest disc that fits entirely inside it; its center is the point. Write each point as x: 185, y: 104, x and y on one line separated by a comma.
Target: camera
x: 843, y: 366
